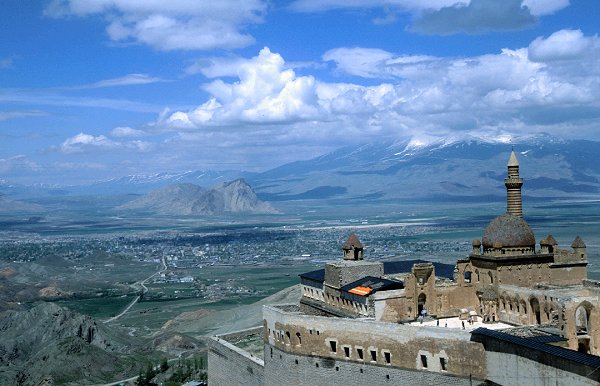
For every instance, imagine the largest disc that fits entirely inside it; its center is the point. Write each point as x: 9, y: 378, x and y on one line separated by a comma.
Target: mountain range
x: 451, y: 170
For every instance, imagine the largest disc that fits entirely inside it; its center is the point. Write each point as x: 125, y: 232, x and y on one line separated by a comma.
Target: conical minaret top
x: 513, y: 183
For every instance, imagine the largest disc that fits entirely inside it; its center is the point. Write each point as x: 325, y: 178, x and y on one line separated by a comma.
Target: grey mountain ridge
x: 189, y: 199
x: 447, y: 171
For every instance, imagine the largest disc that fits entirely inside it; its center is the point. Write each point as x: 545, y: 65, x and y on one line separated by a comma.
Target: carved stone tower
x: 513, y: 183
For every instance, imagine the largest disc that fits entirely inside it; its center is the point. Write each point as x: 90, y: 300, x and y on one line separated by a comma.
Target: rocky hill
x: 53, y: 345
x: 189, y: 199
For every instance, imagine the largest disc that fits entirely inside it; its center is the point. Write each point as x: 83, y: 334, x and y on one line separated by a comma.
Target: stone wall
x: 427, y: 349
x: 515, y: 365
x: 340, y: 273
x: 506, y: 369
x: 441, y: 300
x: 229, y: 365
x: 282, y: 368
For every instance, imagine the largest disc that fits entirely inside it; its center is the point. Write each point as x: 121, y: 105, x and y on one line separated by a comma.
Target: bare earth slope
x: 235, y: 319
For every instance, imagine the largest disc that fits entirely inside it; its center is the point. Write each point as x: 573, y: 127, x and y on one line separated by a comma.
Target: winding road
x: 139, y: 284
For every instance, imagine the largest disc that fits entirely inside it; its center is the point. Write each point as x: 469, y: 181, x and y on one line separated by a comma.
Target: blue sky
x: 91, y: 90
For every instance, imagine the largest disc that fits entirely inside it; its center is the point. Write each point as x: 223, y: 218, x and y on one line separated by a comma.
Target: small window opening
x: 333, y: 345
x: 296, y: 361
x: 361, y: 371
x: 424, y: 361
x: 347, y: 352
x: 337, y: 368
x: 299, y: 338
x: 387, y: 376
x: 388, y: 357
x: 373, y: 355
x: 444, y: 364
x: 316, y: 365
x: 359, y: 351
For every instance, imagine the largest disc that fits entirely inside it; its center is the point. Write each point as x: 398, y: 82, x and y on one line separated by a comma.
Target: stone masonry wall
x: 229, y: 365
x: 428, y: 349
x: 282, y: 368
x: 514, y: 370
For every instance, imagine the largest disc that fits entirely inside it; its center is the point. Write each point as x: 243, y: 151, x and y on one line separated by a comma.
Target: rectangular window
x: 347, y: 351
x: 388, y: 357
x: 444, y: 364
x: 424, y: 361
x: 333, y: 345
x: 359, y: 352
x: 374, y: 355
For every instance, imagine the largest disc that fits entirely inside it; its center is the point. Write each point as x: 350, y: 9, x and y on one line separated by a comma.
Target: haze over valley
x: 169, y: 168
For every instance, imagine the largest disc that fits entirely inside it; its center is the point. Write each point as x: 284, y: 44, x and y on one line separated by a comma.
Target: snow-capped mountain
x: 450, y: 169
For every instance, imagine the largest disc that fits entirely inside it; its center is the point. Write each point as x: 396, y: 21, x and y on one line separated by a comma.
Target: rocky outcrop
x: 189, y: 199
x: 51, y: 342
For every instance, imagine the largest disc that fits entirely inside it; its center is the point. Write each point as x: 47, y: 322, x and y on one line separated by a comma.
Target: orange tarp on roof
x: 362, y: 291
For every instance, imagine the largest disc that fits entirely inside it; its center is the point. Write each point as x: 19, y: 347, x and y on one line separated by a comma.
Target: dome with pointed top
x: 508, y: 231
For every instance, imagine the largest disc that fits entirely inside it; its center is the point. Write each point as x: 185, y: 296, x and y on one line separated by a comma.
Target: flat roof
x: 374, y: 283
x: 457, y: 323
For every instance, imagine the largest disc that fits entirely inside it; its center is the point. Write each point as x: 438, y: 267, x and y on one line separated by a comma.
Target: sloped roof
x: 352, y: 242
x: 578, y: 243
x: 317, y: 275
x: 551, y: 240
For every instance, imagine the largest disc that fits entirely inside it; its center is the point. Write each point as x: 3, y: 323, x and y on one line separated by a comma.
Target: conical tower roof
x: 578, y: 243
x: 352, y: 242
x: 512, y: 161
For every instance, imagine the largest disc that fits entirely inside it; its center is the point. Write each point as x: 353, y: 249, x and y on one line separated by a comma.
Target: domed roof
x: 508, y: 231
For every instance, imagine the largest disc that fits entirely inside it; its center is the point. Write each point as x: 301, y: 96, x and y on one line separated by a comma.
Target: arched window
x: 467, y: 277
x: 422, y: 303
x: 535, y: 310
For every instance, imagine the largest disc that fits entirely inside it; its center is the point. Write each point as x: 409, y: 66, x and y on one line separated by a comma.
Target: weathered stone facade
x: 351, y: 325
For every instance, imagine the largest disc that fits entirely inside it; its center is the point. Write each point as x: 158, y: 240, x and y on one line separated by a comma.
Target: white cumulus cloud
x: 84, y: 143
x: 545, y: 7
x: 499, y: 94
x: 266, y: 92
x: 171, y: 25
x: 124, y: 131
x: 564, y: 44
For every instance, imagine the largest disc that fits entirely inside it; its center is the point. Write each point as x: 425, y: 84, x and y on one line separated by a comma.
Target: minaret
x: 513, y: 183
